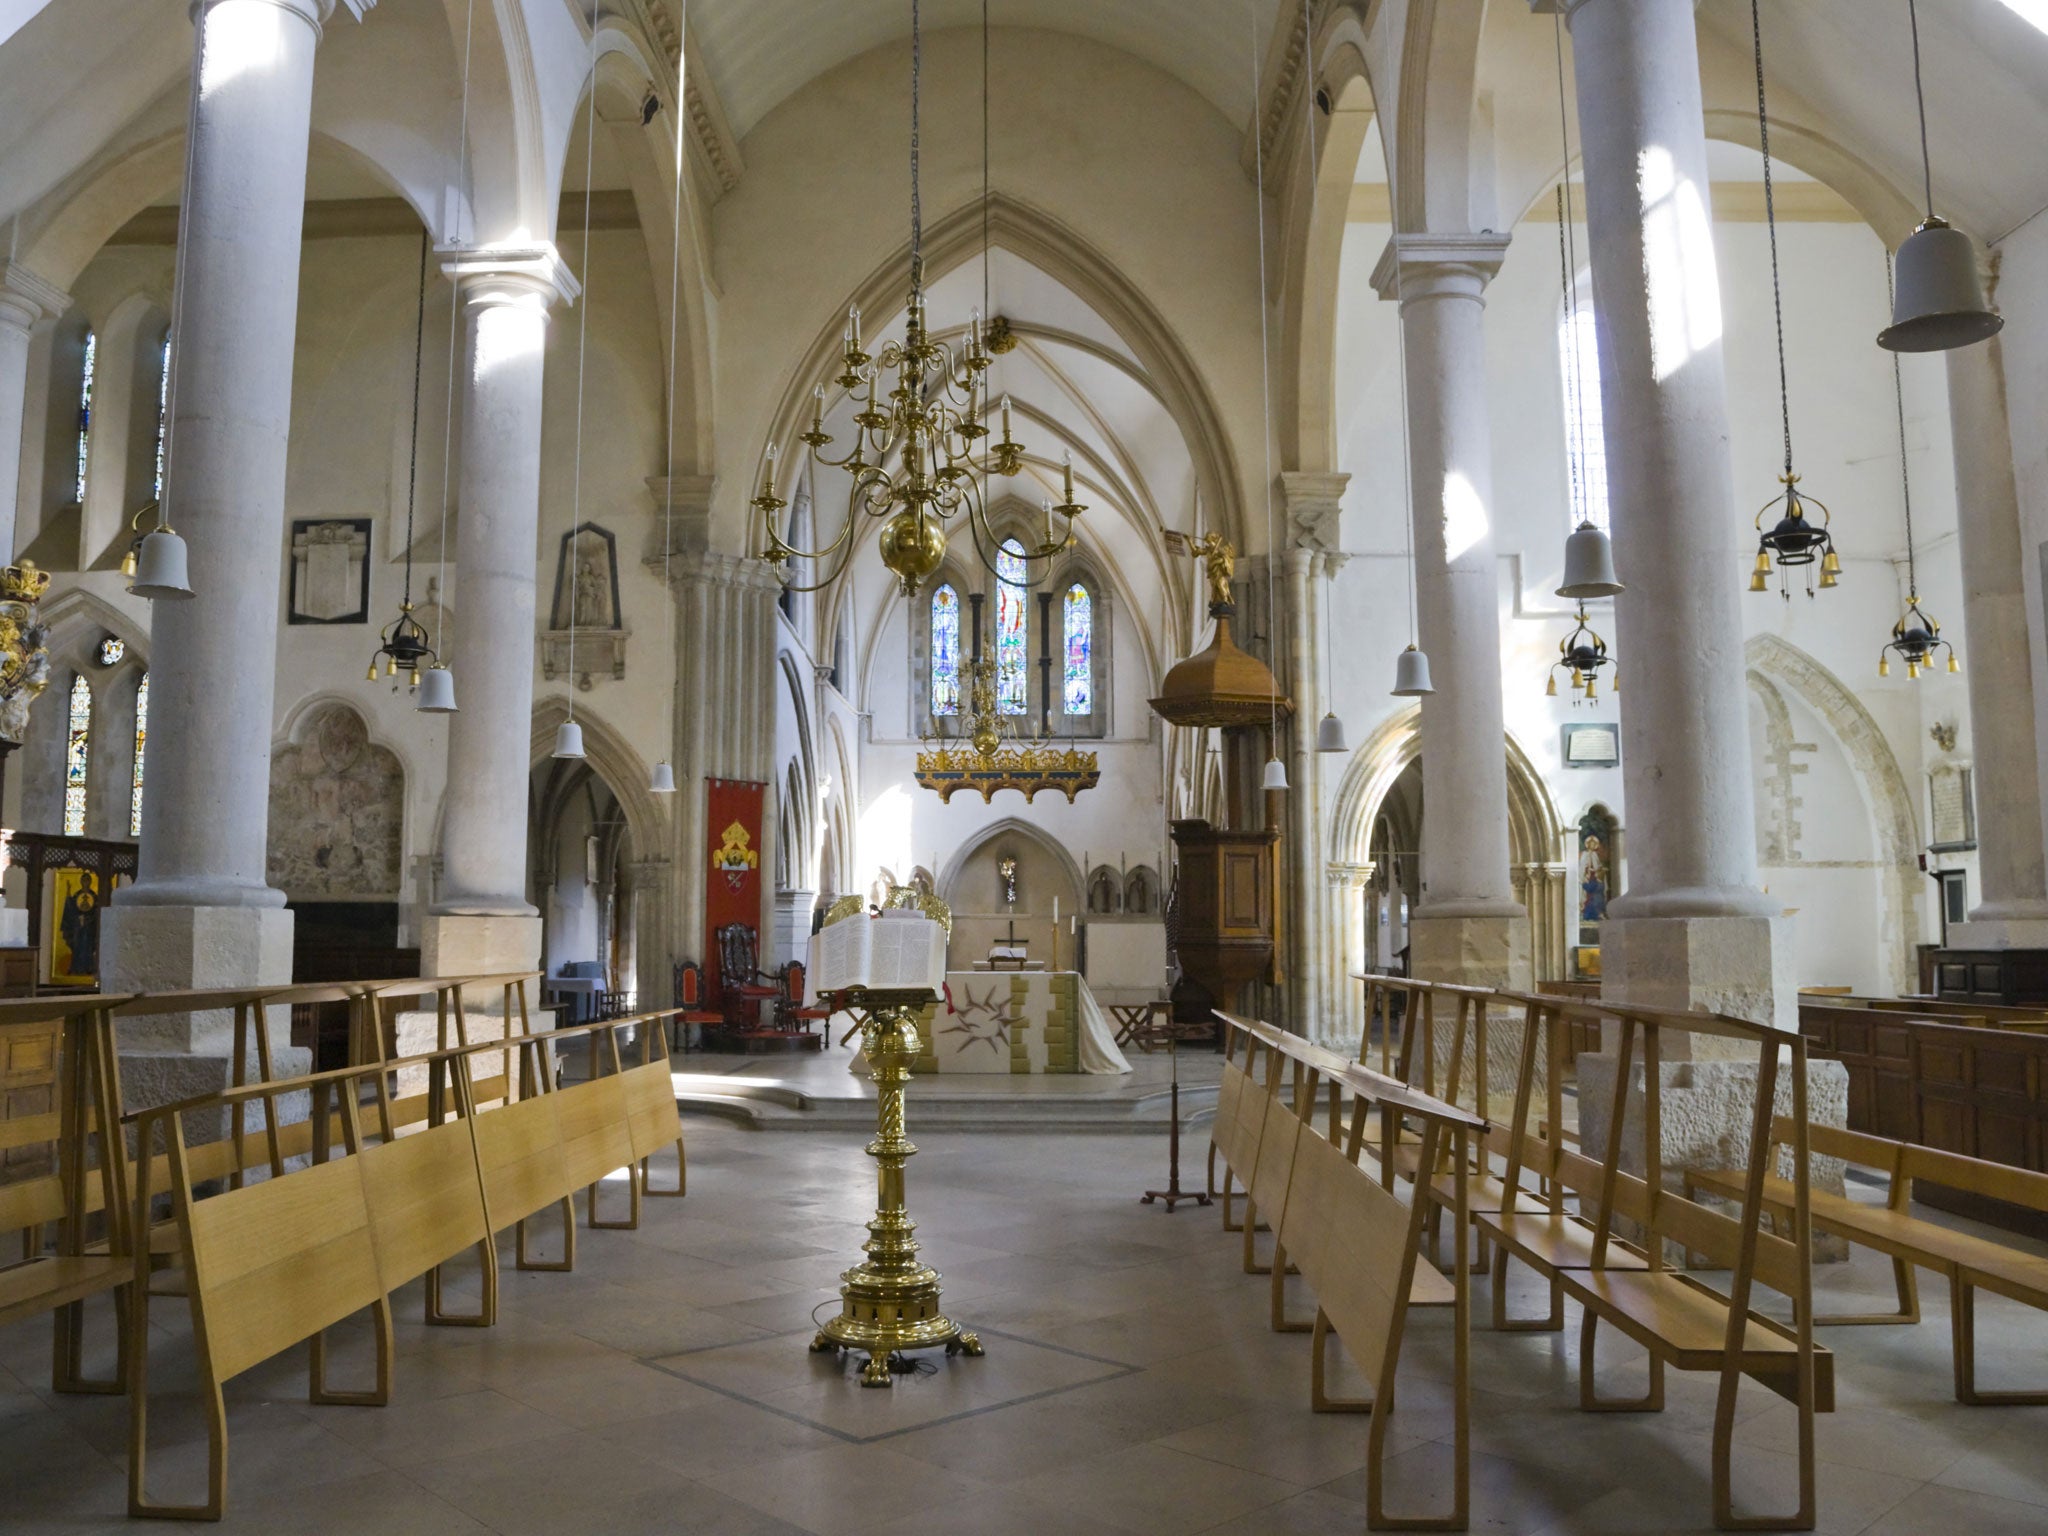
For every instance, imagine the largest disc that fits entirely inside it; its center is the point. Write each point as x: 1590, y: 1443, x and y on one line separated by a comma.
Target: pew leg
x: 1725, y: 1518
x: 1590, y: 1399
x: 67, y: 1372
x: 140, y: 1504
x: 1502, y: 1323
x: 317, y: 1390
x: 682, y: 1175
x: 630, y: 1222
x: 524, y: 1260
x: 1963, y: 1326
x: 486, y: 1314
x: 1281, y: 1269
x: 1319, y: 1398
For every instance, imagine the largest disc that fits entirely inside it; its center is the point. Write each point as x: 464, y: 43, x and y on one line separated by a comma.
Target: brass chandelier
x: 921, y: 454
x: 992, y: 757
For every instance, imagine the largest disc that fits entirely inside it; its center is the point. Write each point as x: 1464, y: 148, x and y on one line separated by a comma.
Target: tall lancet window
x: 77, y: 756
x: 1012, y: 664
x: 946, y: 651
x: 1078, y: 683
x: 163, y: 411
x: 141, y: 740
x: 1578, y: 352
x: 85, y: 373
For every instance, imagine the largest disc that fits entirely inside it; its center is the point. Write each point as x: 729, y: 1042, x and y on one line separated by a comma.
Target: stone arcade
x: 1247, y: 343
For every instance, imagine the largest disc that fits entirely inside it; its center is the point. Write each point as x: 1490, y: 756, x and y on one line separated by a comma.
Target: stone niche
x: 337, y: 812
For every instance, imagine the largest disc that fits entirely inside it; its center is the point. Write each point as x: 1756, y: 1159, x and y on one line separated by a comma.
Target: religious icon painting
x: 71, y: 945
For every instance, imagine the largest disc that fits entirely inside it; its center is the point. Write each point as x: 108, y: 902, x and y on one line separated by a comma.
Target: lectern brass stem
x: 890, y: 1302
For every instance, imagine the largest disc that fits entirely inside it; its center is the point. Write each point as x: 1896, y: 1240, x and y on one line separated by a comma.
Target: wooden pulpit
x: 1225, y: 920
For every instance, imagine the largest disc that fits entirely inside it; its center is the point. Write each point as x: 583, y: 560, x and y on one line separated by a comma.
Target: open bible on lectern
x: 897, y: 951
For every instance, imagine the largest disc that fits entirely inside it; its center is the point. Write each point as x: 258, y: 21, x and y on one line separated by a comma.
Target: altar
x: 1016, y: 1022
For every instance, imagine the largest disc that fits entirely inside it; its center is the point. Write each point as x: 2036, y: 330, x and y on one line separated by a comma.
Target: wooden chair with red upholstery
x: 742, y: 985
x: 792, y: 1014
x: 690, y: 1003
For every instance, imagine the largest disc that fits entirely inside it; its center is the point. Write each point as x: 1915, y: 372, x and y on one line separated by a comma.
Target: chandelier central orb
x: 921, y: 453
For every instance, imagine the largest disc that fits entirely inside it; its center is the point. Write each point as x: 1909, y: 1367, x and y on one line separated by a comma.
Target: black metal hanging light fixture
x: 1916, y: 637
x: 1793, y: 540
x: 1940, y: 302
x: 403, y: 645
x: 1583, y: 653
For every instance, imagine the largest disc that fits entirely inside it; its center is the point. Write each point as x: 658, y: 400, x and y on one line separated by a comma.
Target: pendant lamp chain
x: 1276, y: 772
x: 1568, y: 257
x: 1905, y: 473
x: 569, y: 739
x: 661, y: 779
x: 412, y: 467
x: 1920, y: 102
x: 1917, y: 635
x: 1793, y: 539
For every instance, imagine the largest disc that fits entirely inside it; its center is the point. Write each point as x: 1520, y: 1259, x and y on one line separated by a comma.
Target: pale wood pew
x: 1967, y: 1262
x: 72, y: 1038
x: 1678, y: 1318
x: 272, y: 1263
x: 1355, y: 1242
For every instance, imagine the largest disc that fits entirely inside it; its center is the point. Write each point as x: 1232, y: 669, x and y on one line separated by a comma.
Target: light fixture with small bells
x: 1584, y: 653
x: 1793, y: 541
x: 1916, y: 637
x: 403, y: 645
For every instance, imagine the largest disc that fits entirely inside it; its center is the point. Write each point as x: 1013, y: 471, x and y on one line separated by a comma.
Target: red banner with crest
x: 732, y: 873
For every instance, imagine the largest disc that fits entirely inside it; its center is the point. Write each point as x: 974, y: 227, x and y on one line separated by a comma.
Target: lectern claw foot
x: 822, y: 1343
x: 877, y: 1372
x: 966, y: 1344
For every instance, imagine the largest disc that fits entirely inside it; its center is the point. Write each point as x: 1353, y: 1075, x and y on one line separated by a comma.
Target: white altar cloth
x: 1017, y: 1022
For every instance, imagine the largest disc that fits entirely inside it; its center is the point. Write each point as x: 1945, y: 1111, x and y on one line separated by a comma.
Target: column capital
x: 26, y: 298
x: 682, y: 507
x: 510, y: 274
x: 702, y: 568
x: 1314, y: 502
x: 313, y: 13
x: 1566, y: 7
x: 1429, y: 266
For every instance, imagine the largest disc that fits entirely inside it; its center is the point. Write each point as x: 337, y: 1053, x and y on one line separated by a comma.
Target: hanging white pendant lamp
x: 1411, y: 675
x: 1940, y: 302
x: 436, y: 691
x: 1276, y: 774
x: 1589, y: 564
x: 662, y: 780
x: 160, y: 568
x: 1330, y: 734
x: 568, y: 739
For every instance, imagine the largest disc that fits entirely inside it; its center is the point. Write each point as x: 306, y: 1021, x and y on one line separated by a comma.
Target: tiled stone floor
x: 1130, y: 1386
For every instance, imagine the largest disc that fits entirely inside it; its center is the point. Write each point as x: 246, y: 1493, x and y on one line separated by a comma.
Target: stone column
x: 654, y: 944
x: 481, y: 920
x: 25, y: 299
x: 2013, y: 905
x: 1468, y: 927
x: 1693, y: 929
x: 200, y: 913
x: 1313, y: 504
x: 725, y: 653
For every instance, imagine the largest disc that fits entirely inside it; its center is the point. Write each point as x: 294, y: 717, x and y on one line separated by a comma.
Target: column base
x: 171, y: 1056
x: 1485, y: 950
x: 1708, y: 1111
x: 478, y: 944
x: 1741, y: 966
x: 2030, y: 932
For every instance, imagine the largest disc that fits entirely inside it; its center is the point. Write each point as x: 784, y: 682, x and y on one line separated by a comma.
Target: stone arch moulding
x: 1062, y: 253
x: 74, y: 611
x: 1011, y: 826
x: 623, y: 770
x: 1786, y: 667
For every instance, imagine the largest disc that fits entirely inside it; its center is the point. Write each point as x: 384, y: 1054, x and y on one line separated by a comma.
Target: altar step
x: 779, y: 1106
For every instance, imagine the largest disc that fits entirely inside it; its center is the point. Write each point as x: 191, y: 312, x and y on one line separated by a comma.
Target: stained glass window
x: 1078, y: 695
x: 141, y: 739
x: 1578, y: 353
x: 946, y: 651
x: 85, y: 372
x: 1012, y: 666
x: 77, y: 754
x: 163, y: 412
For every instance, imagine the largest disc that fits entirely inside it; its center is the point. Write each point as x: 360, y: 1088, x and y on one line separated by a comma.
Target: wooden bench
x: 271, y: 1263
x: 69, y: 1041
x: 1969, y: 1263
x: 1354, y: 1242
